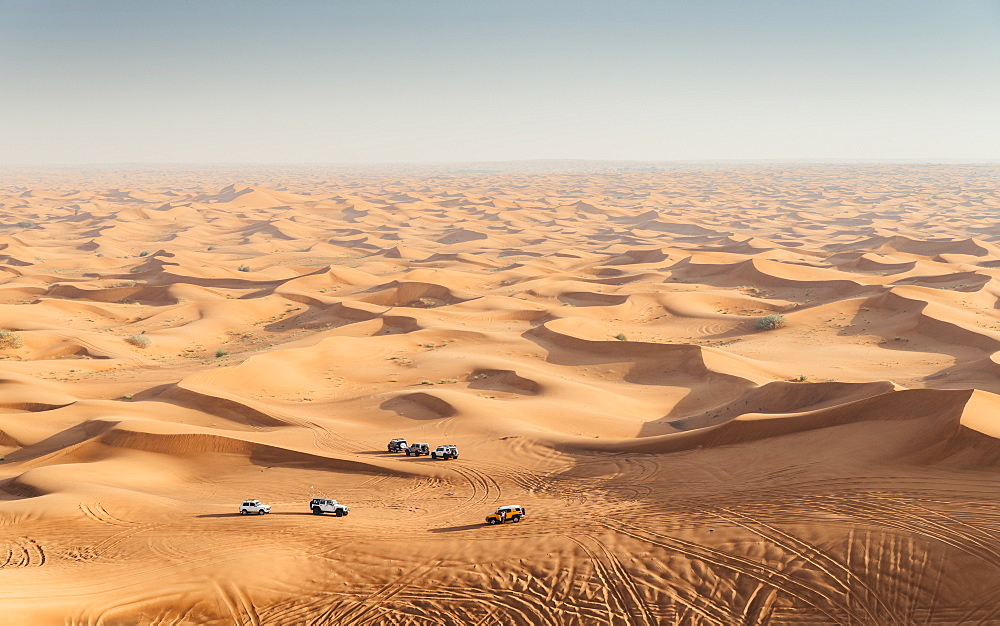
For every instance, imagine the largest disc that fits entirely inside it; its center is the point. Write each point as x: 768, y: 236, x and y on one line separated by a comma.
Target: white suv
x: 254, y: 506
x: 320, y: 506
x: 445, y: 452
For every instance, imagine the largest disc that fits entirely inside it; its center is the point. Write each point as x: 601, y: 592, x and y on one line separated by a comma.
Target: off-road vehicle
x: 320, y: 506
x: 511, y: 512
x: 250, y: 507
x: 397, y: 445
x: 445, y: 452
x: 417, y: 449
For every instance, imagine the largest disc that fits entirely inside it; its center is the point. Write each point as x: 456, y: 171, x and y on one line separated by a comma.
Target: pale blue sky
x: 394, y: 81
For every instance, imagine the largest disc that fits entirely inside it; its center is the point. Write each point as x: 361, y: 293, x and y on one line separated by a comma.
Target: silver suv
x: 417, y: 449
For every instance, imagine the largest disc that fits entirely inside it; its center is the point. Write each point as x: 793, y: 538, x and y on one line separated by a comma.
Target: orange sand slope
x: 177, y: 343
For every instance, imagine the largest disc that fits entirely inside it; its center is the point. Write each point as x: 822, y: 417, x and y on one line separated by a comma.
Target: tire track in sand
x: 919, y: 520
x: 98, y: 513
x: 353, y: 613
x: 22, y: 552
x: 839, y: 574
x: 617, y: 581
x: 836, y: 609
x: 240, y: 606
x: 484, y: 487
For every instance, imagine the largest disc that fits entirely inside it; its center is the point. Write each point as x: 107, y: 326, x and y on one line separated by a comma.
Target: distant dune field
x: 177, y: 342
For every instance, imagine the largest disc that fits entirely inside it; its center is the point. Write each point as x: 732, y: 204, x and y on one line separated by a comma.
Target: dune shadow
x: 68, y: 438
x: 419, y: 405
x: 455, y: 529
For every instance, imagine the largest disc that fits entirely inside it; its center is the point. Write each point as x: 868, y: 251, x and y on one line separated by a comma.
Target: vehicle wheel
x: 243, y: 512
x: 261, y: 512
x: 491, y: 520
x: 515, y: 519
x: 407, y: 453
x: 340, y: 514
x: 317, y: 511
x: 434, y: 455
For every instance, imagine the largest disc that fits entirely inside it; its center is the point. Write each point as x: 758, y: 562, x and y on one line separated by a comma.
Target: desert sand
x: 588, y: 341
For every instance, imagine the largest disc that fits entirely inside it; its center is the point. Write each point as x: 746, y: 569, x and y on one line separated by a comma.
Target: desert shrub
x: 621, y: 337
x: 144, y: 253
x: 25, y: 224
x: 244, y: 268
x: 139, y: 341
x: 771, y: 321
x: 9, y: 339
x: 221, y: 352
x: 211, y: 247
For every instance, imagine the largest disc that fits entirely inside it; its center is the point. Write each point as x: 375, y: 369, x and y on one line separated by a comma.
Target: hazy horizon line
x: 581, y: 161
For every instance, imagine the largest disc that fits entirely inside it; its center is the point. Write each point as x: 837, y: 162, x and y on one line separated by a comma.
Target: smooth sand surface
x: 588, y: 341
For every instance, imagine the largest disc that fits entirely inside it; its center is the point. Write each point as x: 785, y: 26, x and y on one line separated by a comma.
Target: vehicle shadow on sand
x: 254, y: 514
x: 455, y: 529
x: 298, y: 513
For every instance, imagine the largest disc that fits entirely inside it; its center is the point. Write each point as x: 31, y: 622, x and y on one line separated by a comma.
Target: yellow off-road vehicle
x: 509, y: 513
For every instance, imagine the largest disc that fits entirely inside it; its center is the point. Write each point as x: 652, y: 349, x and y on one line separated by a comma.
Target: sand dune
x: 176, y: 342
